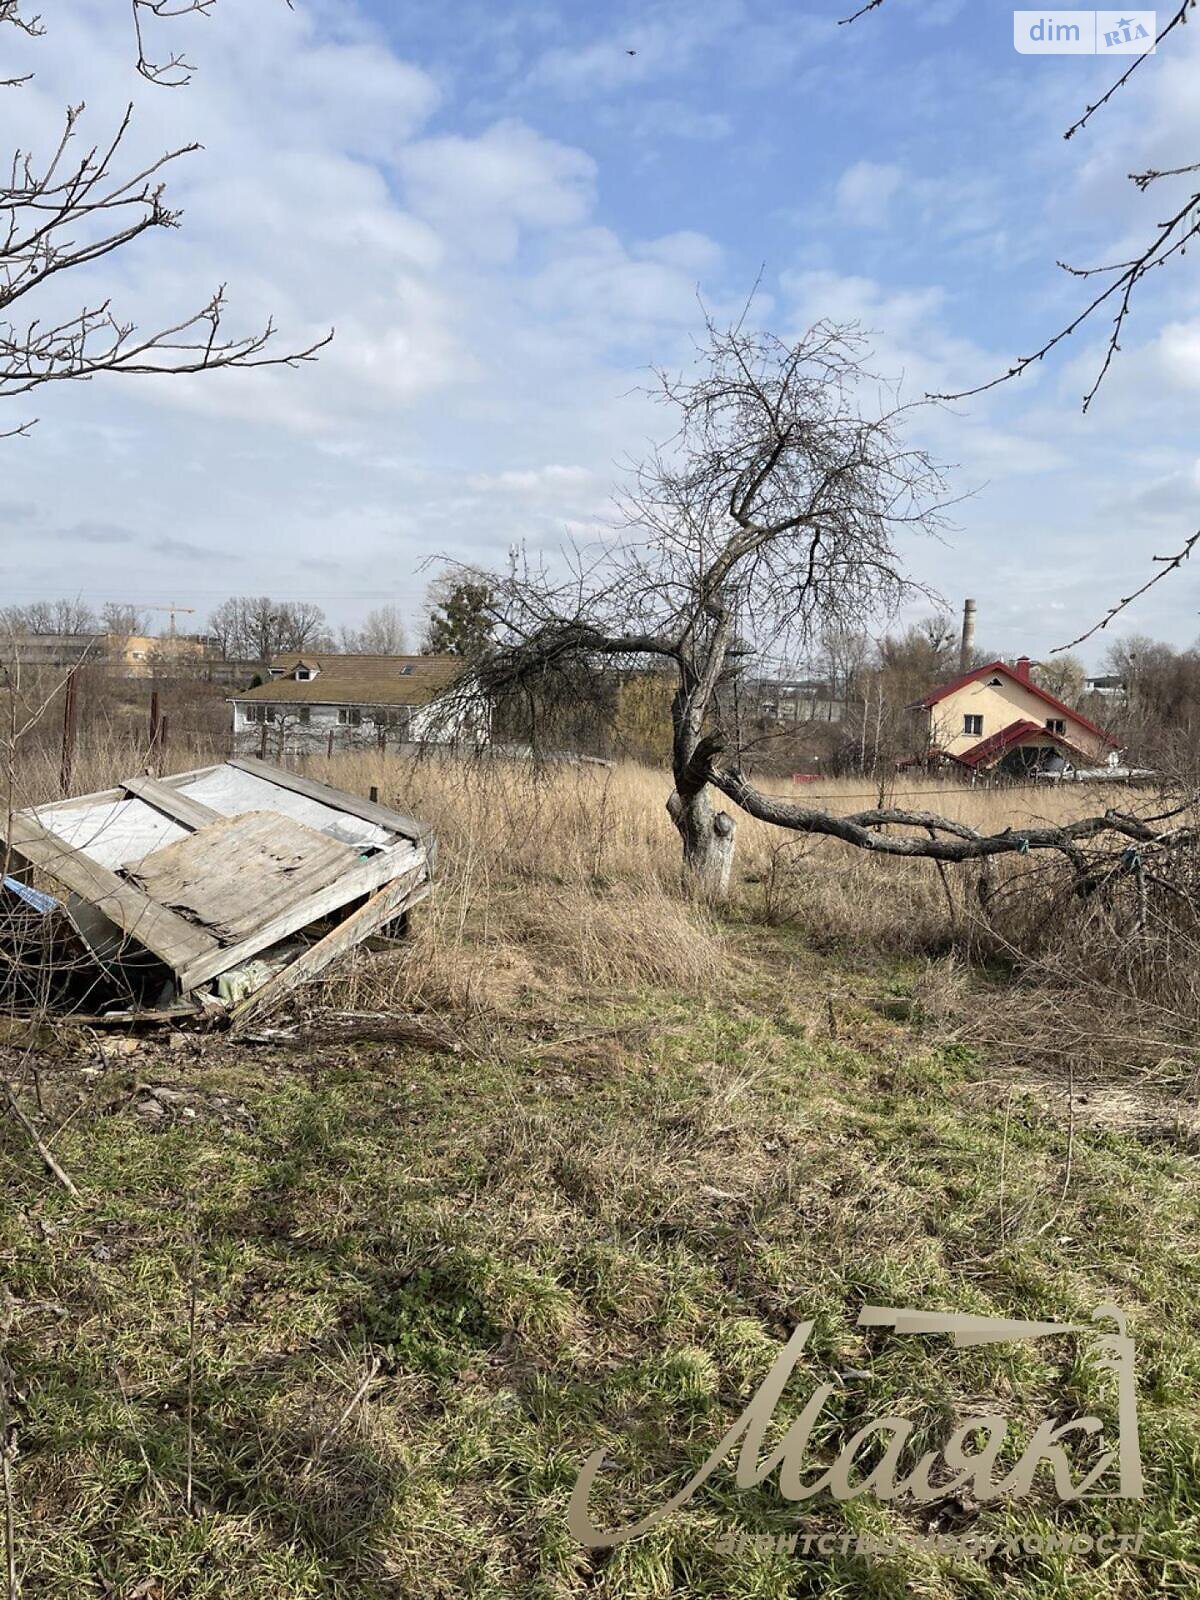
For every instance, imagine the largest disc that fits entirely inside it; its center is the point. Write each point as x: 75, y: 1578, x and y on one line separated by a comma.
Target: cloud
x: 751, y: 44
x: 865, y: 191
x: 96, y: 533
x: 537, y: 481
x: 484, y: 191
x: 1177, y: 353
x: 657, y: 120
x: 17, y: 511
x: 507, y: 219
x: 686, y: 251
x: 186, y: 549
x: 663, y: 42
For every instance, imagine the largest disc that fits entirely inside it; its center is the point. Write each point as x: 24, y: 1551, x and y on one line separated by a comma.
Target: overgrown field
x: 345, y: 1318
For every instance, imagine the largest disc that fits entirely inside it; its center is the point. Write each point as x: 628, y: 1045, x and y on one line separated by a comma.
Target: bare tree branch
x: 1145, y: 179
x: 1179, y: 18
x: 861, y: 12
x: 71, y: 210
x: 1170, y: 565
x: 864, y: 829
x: 1171, y: 238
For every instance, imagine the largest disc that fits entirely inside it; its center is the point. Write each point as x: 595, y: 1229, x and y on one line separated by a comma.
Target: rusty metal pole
x: 374, y: 794
x: 68, y: 734
x: 262, y: 743
x: 155, y: 729
x: 329, y: 746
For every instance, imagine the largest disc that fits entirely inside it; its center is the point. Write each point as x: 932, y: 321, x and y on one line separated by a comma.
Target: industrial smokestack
x: 967, y: 648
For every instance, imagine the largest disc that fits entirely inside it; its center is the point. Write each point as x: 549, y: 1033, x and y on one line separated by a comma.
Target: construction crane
x: 189, y: 611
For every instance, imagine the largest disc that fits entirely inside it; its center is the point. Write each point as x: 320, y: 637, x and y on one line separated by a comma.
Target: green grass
x: 539, y: 1250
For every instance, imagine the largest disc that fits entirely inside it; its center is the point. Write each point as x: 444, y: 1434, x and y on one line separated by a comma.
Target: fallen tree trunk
x: 944, y: 839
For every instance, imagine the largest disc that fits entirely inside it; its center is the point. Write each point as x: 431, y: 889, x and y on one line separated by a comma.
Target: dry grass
x: 577, y: 868
x: 566, y: 882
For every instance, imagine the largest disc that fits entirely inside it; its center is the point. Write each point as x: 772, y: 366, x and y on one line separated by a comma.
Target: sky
x: 508, y: 218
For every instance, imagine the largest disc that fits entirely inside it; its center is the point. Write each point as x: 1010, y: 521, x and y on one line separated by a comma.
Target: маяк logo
x: 968, y: 1460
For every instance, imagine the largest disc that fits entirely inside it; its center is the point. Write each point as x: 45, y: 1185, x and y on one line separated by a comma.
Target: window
x: 350, y: 717
x: 303, y: 715
x: 972, y: 724
x: 303, y: 674
x: 1055, y: 725
x: 995, y: 683
x: 259, y: 713
x: 407, y: 670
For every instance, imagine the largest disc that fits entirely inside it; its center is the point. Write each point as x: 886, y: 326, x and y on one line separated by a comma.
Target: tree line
x: 258, y: 627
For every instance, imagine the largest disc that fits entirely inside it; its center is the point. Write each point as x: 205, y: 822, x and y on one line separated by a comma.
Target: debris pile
x: 206, y: 894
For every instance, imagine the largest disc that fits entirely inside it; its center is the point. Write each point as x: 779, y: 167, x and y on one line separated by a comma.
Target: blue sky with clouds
x: 507, y: 217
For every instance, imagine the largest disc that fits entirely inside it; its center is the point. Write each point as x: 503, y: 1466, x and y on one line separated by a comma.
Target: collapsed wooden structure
x: 218, y: 890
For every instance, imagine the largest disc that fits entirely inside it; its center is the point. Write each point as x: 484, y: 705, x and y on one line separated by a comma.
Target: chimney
x: 1022, y: 668
x: 967, y: 647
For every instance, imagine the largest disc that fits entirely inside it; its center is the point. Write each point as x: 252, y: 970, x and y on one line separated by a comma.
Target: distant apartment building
x: 792, y: 701
x: 124, y: 655
x: 53, y: 650
x: 1108, y: 686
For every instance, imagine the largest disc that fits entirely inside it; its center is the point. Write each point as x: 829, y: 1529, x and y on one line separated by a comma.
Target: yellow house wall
x: 137, y: 652
x: 1012, y: 702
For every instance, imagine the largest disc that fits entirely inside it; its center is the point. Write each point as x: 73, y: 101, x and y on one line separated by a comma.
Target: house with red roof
x: 995, y: 718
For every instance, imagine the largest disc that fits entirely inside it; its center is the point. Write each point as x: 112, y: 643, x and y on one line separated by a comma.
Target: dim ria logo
x: 968, y: 1460
x: 1084, y: 33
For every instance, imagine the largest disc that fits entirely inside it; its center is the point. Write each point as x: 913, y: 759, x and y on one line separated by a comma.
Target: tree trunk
x: 708, y: 842
x: 708, y: 836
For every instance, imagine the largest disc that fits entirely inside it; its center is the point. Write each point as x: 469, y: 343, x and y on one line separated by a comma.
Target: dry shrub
x: 628, y: 938
x: 564, y: 879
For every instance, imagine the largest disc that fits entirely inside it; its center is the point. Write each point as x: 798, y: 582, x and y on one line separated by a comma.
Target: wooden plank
x: 384, y: 904
x: 102, y: 797
x: 108, y: 796
x: 173, y: 780
x: 368, y: 876
x: 338, y: 799
x: 238, y: 873
x: 187, y: 813
x: 170, y: 937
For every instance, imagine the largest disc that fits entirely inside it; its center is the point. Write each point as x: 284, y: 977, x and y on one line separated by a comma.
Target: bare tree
x: 122, y: 621
x: 225, y: 629
x: 772, y: 515
x: 1064, y: 676
x: 301, y: 625
x: 382, y: 634
x: 255, y: 627
x: 51, y: 616
x: 74, y: 205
